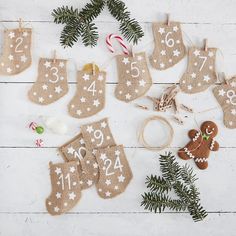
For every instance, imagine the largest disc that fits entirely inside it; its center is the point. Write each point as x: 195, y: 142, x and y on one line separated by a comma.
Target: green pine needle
x: 80, y: 24
x: 181, y: 181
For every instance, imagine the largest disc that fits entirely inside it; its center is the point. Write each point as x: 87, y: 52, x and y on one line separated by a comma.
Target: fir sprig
x: 80, y: 23
x: 175, y: 178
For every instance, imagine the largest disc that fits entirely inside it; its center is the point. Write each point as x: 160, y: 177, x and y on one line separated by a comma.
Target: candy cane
x: 120, y: 40
x: 33, y: 125
x: 39, y: 142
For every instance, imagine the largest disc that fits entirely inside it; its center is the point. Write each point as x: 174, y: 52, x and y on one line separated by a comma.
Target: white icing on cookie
x: 196, y: 136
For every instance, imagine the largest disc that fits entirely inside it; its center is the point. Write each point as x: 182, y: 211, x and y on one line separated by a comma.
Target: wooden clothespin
x: 93, y: 69
x: 141, y: 106
x: 20, y: 24
x: 168, y: 18
x: 205, y: 44
x: 54, y: 56
x: 132, y: 51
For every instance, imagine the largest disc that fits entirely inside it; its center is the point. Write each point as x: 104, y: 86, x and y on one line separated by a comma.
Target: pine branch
x: 89, y: 35
x: 65, y: 14
x: 92, y: 10
x: 130, y: 28
x: 157, y: 184
x: 177, y: 178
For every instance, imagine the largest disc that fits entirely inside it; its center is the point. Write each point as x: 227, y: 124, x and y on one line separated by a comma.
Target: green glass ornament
x: 39, y: 129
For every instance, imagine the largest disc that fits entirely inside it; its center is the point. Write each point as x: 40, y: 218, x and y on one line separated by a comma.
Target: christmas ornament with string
x: 79, y: 24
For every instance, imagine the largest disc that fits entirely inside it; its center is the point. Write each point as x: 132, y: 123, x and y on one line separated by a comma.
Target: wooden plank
x: 17, y: 112
x: 25, y: 182
x: 113, y: 224
x: 188, y: 11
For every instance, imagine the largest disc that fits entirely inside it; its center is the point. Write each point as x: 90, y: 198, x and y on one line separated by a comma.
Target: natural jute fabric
x: 114, y: 171
x: 65, y: 188
x: 97, y: 135
x: 16, y: 56
x: 90, y: 95
x: 75, y: 150
x: 200, y: 72
x: 169, y: 47
x: 51, y: 83
x: 201, y: 144
x: 226, y: 97
x: 134, y: 79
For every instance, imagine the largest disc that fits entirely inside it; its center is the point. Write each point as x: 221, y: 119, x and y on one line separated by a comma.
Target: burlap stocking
x: 226, y: 97
x: 115, y: 173
x: 16, y: 56
x: 169, y: 47
x: 51, y: 83
x: 97, y: 135
x: 90, y: 96
x: 200, y: 72
x: 65, y: 188
x: 134, y: 77
x: 87, y: 166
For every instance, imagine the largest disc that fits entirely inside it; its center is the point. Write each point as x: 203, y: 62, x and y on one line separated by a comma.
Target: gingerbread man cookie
x: 202, y: 142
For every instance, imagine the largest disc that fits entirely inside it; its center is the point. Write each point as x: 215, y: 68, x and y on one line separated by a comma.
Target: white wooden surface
x: 24, y: 175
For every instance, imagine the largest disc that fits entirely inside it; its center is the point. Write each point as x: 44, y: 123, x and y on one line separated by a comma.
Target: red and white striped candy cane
x: 39, y: 142
x: 33, y: 125
x: 120, y: 40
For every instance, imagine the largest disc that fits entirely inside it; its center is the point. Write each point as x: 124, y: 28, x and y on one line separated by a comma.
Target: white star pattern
x: 95, y: 165
x: 128, y: 96
x: 196, y: 53
x: 103, y: 156
x: 190, y: 87
x: 9, y: 70
x: 175, y: 28
x: 108, y: 182
x: 117, y: 152
x: 128, y: 83
x: 206, y: 78
x: 58, y: 89
x: 72, y: 196
x: 140, y: 58
x: 108, y: 194
x: 23, y: 58
x: 163, y: 52
x: 233, y: 84
x: 121, y: 178
x: 41, y: 100
x: 89, y: 129
x: 103, y: 124
x: 47, y: 64
x: 162, y: 65
x: 25, y: 34
x: 116, y: 187
x: 61, y: 64
x: 10, y: 57
x: 221, y: 92
x: 70, y: 150
x: 176, y: 53
x: 210, y: 54
x: 56, y: 209
x: 100, y: 78
x: 89, y: 182
x: 58, y: 195
x: 45, y: 87
x: 233, y: 112
x: 142, y: 83
x: 78, y: 112
x: 161, y: 30
x: 58, y: 170
x: 125, y: 60
x: 193, y: 75
x: 11, y: 35
x: 96, y: 103
x: 72, y: 169
x: 86, y: 77
x: 82, y: 99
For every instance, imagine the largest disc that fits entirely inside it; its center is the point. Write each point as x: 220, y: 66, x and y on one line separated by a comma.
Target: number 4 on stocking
x: 90, y: 96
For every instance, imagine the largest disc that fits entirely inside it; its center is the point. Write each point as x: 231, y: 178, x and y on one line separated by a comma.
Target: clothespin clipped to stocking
x: 20, y: 24
x: 54, y: 56
x: 205, y: 44
x: 168, y: 19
